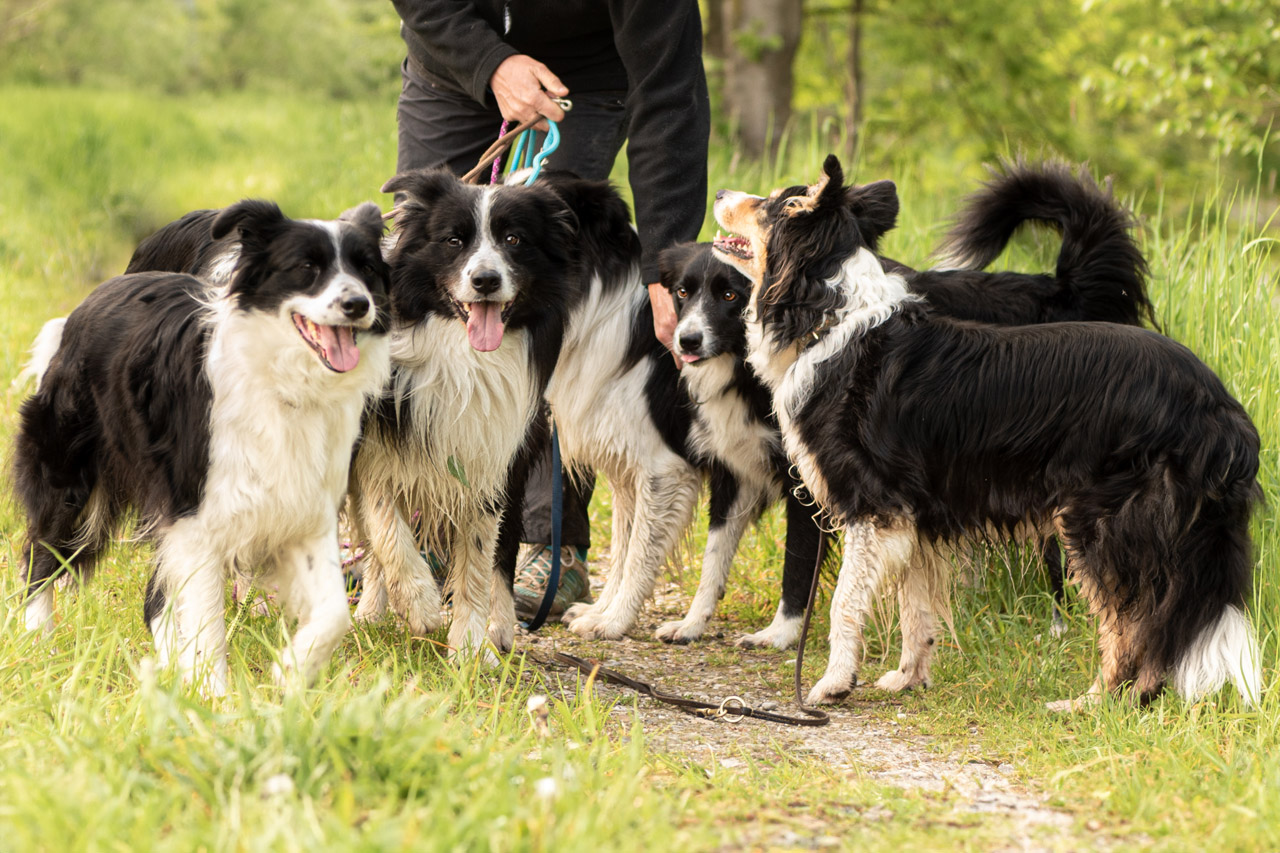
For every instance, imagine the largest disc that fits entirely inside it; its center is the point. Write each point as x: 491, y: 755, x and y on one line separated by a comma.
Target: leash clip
x: 730, y: 715
x: 563, y: 103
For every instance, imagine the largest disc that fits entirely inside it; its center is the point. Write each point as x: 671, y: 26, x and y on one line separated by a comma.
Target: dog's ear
x: 366, y: 217
x: 832, y: 180
x: 673, y: 261
x: 251, y: 218
x: 875, y: 206
x: 423, y: 186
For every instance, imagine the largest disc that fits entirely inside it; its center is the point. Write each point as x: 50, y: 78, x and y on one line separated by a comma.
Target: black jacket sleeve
x: 670, y: 120
x: 460, y: 42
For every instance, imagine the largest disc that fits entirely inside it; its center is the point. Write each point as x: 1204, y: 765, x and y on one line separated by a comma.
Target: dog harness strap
x: 731, y: 710
x: 557, y: 522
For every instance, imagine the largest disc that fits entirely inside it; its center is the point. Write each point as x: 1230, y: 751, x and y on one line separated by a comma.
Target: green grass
x: 394, y: 748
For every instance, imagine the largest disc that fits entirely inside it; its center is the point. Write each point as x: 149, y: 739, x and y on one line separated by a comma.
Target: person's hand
x: 664, y: 318
x: 523, y: 87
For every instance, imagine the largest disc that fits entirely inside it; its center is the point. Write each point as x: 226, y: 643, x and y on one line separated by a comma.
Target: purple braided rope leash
x: 493, y: 176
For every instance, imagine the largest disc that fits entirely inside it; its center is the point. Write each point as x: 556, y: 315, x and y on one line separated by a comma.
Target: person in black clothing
x: 633, y: 69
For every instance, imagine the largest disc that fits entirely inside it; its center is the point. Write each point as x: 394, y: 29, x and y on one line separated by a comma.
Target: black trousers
x: 440, y: 127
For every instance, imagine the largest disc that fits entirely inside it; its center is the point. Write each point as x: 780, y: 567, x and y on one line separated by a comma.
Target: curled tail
x: 43, y: 349
x: 1100, y: 269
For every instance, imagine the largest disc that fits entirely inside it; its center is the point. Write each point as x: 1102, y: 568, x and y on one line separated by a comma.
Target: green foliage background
x: 1171, y: 95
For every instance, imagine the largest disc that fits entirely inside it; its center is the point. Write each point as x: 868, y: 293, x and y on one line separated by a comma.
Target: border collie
x: 619, y: 409
x: 1100, y: 276
x: 482, y: 283
x: 225, y: 419
x: 917, y: 433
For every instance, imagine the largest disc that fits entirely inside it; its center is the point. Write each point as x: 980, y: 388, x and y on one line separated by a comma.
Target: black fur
x: 1100, y: 276
x: 437, y: 228
x: 1121, y: 436
x: 123, y: 407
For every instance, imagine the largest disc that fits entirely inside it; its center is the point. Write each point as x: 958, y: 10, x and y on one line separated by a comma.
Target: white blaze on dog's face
x: 327, y: 279
x: 480, y: 254
x: 709, y: 298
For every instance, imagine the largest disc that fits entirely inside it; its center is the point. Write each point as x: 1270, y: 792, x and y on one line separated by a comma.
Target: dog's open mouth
x: 486, y: 322
x: 732, y: 244
x: 336, y: 345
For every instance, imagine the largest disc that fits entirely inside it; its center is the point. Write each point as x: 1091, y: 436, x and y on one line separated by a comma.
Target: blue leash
x: 557, y: 522
x: 534, y: 161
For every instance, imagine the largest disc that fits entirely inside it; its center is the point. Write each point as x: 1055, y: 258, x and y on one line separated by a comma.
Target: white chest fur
x: 724, y: 427
x: 470, y: 409
x: 281, y: 431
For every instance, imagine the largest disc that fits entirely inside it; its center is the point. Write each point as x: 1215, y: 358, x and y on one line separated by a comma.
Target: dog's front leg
x: 734, y: 505
x: 309, y: 579
x: 397, y: 573
x: 471, y: 582
x: 192, y: 580
x: 872, y: 553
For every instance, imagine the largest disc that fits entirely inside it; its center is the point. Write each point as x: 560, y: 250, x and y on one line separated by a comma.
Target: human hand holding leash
x: 664, y: 318
x: 524, y: 89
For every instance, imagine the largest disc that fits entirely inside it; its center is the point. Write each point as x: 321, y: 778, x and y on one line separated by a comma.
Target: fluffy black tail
x: 1100, y: 269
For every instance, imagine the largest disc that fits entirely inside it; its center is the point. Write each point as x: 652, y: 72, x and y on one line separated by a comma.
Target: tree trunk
x: 762, y: 39
x: 854, y: 126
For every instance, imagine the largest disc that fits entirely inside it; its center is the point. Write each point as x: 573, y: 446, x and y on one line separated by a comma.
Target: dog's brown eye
x: 455, y: 242
x: 729, y: 296
x: 513, y: 240
x: 682, y: 293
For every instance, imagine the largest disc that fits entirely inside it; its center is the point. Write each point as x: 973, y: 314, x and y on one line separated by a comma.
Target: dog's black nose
x: 486, y: 281
x: 690, y: 341
x: 720, y: 194
x: 355, y: 307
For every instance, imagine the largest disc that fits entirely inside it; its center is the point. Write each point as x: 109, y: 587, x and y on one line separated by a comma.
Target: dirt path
x: 883, y: 747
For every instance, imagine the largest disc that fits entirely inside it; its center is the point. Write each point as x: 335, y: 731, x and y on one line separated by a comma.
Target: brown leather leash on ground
x: 732, y: 709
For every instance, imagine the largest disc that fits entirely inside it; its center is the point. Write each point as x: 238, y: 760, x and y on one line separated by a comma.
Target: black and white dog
x: 482, y: 283
x: 917, y: 433
x: 225, y: 417
x: 619, y: 409
x: 1100, y: 276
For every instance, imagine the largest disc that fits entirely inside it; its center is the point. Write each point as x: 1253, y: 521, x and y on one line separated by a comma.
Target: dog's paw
x: 594, y: 627
x: 1080, y: 703
x: 371, y: 608
x: 780, y: 635
x: 423, y: 620
x: 829, y: 690
x: 577, y: 611
x: 897, y: 681
x: 681, y: 631
x: 503, y: 637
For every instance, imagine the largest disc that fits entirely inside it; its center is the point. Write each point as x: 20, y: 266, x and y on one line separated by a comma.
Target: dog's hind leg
x: 309, y: 578
x: 1051, y: 552
x: 68, y: 529
x: 1120, y: 640
x: 665, y: 501
x: 804, y: 541
x: 873, y: 552
x: 734, y: 505
x: 923, y: 592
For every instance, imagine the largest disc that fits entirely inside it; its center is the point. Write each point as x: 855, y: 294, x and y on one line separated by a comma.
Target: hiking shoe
x: 533, y: 570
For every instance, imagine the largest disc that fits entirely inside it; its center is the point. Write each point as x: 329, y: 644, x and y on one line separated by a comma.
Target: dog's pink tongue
x: 339, y: 346
x: 484, y: 326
